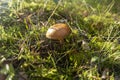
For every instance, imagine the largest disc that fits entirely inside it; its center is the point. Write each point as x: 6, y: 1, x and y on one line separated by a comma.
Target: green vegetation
x: 91, y: 52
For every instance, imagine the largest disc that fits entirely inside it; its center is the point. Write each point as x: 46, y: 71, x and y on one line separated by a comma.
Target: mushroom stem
x: 61, y: 41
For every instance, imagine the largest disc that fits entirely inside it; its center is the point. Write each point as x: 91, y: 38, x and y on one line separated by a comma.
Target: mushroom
x: 58, y: 32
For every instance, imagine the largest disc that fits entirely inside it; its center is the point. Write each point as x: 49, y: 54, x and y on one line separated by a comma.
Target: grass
x: 91, y: 50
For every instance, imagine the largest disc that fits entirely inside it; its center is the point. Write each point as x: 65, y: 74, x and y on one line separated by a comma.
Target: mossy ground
x: 92, y: 48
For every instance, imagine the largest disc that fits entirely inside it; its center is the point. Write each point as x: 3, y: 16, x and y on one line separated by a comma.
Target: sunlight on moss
x: 3, y: 35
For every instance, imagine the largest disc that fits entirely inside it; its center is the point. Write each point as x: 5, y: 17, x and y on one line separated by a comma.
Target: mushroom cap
x: 58, y: 31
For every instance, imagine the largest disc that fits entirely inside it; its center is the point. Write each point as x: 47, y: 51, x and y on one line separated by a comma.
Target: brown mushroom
x: 58, y: 32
